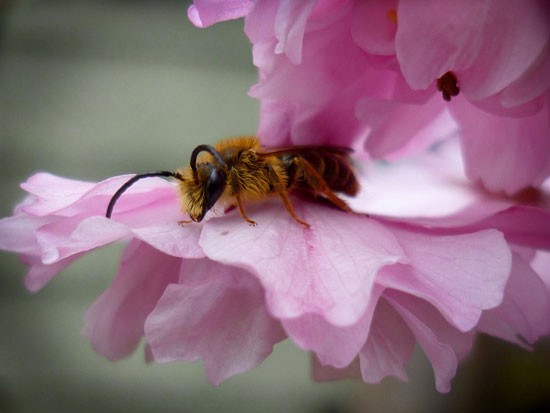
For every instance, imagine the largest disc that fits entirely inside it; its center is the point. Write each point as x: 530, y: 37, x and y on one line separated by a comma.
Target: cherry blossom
x: 427, y: 256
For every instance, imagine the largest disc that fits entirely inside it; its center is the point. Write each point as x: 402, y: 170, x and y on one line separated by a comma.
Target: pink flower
x: 437, y: 261
x: 353, y: 290
x: 352, y: 73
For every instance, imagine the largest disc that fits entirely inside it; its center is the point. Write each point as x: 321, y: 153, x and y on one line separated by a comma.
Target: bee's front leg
x: 243, y: 214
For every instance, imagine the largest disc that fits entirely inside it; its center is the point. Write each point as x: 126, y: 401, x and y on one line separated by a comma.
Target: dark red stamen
x: 448, y: 86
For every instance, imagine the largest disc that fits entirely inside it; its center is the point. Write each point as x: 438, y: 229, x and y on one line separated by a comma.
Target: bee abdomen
x: 334, y: 166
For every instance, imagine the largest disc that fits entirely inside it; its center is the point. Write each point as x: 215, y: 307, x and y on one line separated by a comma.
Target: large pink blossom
x: 353, y: 290
x: 349, y: 72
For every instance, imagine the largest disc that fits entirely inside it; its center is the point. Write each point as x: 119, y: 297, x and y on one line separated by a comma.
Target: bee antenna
x: 208, y: 149
x: 132, y: 181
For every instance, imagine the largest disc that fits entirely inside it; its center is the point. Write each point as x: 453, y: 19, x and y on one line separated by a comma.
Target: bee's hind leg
x: 281, y: 190
x: 290, y: 209
x: 318, y: 184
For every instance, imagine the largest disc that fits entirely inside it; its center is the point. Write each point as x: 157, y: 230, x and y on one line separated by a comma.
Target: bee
x: 239, y: 170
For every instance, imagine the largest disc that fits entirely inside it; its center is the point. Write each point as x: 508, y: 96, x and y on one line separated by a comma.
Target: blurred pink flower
x: 204, y: 13
x: 353, y: 290
x: 349, y: 72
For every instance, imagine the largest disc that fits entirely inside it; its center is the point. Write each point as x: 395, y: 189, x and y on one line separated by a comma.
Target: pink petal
x: 115, y: 322
x: 398, y: 129
x: 290, y: 25
x: 494, y: 106
x: 443, y: 345
x: 17, y: 233
x: 541, y: 264
x: 219, y: 318
x: 389, y: 347
x: 530, y: 84
x: 41, y: 274
x: 333, y: 345
x: 320, y: 372
x: 523, y: 225
x: 524, y: 315
x: 306, y: 94
x: 277, y: 28
x: 327, y: 270
x: 204, y: 13
x: 505, y: 154
x: 53, y: 192
x: 448, y: 200
x: 72, y: 197
x: 173, y: 239
x: 393, y: 190
x: 64, y: 238
x: 487, y: 44
x: 461, y: 275
x: 259, y: 27
x: 372, y: 29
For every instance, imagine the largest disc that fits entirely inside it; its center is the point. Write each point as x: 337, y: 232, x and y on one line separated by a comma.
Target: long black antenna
x: 132, y: 181
x: 208, y: 149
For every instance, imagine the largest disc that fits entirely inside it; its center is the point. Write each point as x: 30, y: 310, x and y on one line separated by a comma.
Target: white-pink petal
x: 41, y: 274
x: 442, y: 344
x: 461, y: 275
x: 372, y: 26
x: 216, y: 314
x: 504, y: 153
x: 334, y: 346
x: 66, y: 237
x: 398, y: 129
x: 329, y: 269
x: 290, y: 25
x: 53, y: 192
x: 388, y: 348
x: 172, y: 238
x: 524, y: 315
x: 115, y: 322
x: 17, y: 233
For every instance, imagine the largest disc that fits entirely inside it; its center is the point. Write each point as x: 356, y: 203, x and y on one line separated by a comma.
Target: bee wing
x: 303, y: 150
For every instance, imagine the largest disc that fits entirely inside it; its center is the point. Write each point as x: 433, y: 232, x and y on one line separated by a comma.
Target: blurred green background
x: 91, y: 89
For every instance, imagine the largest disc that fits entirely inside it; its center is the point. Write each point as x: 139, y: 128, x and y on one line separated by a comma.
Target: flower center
x: 448, y: 86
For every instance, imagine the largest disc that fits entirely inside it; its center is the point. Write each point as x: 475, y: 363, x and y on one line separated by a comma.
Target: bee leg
x: 243, y: 214
x: 318, y: 184
x: 281, y: 190
x: 290, y: 209
x: 184, y: 222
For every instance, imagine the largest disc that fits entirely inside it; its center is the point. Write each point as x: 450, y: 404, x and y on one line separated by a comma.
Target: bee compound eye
x: 214, y: 188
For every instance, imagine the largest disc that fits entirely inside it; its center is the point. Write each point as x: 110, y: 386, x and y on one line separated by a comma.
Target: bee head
x: 201, y: 186
x: 206, y: 185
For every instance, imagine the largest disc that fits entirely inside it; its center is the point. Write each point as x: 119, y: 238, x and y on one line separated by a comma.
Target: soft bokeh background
x: 91, y: 89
